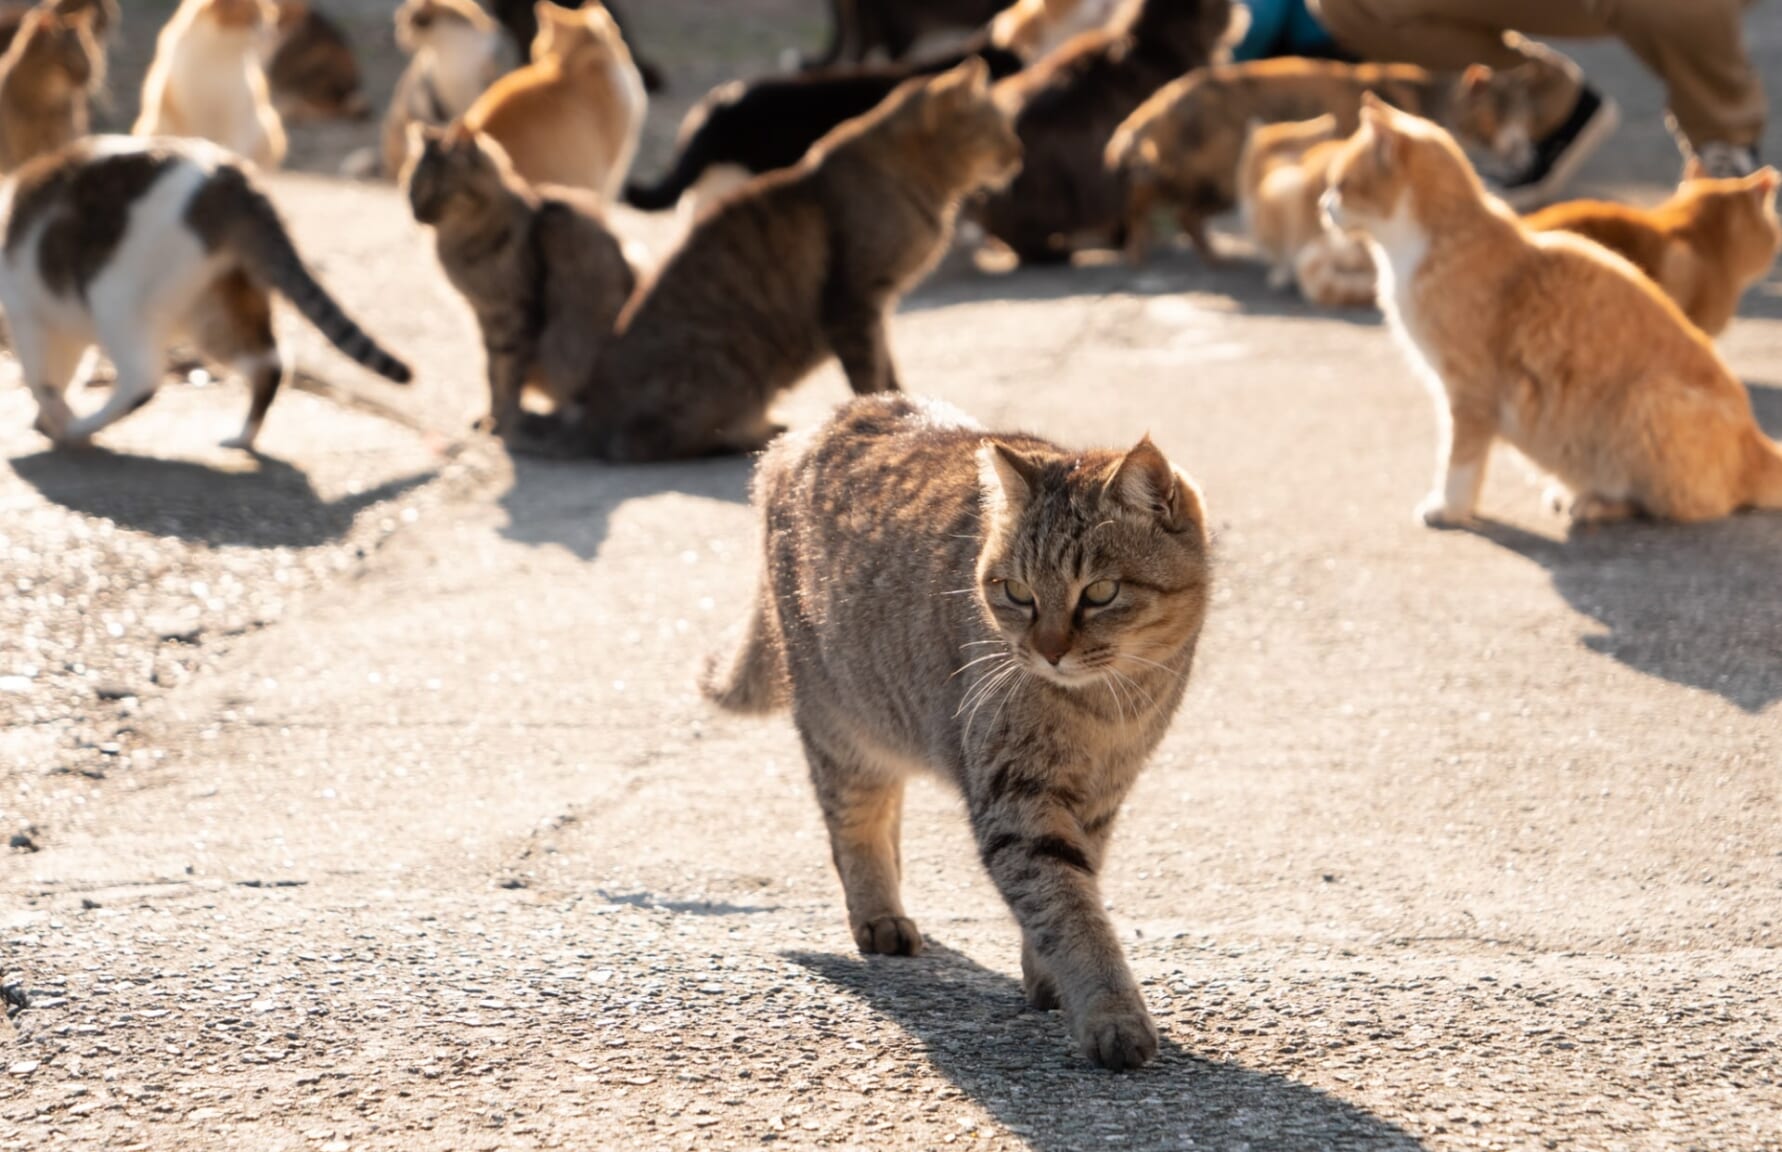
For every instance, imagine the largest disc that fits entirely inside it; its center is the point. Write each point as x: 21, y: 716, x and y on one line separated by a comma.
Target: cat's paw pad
x: 889, y: 936
x: 1120, y: 1039
x: 1435, y: 513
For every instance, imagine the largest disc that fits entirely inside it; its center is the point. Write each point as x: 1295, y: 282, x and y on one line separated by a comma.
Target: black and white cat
x: 130, y: 244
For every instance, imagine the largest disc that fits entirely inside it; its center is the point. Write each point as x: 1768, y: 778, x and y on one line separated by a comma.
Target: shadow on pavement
x: 571, y: 503
x: 1016, y: 1064
x: 1239, y: 279
x: 1694, y: 604
x: 267, y: 505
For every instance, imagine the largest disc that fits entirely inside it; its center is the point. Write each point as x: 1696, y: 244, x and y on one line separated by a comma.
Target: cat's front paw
x: 1119, y: 1038
x: 1435, y: 512
x: 889, y: 936
x: 1037, y: 983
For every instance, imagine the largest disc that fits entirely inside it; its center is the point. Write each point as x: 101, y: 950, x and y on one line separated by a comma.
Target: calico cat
x: 313, y: 72
x: 543, y: 274
x: 800, y: 265
x: 1034, y: 28
x: 575, y: 114
x: 1070, y: 103
x: 1179, y: 150
x: 1076, y: 587
x: 207, y: 80
x: 131, y: 243
x: 1615, y: 392
x: 455, y: 53
x: 47, y: 76
x: 745, y: 128
x: 858, y: 27
x: 520, y: 18
x: 1704, y: 246
x: 1282, y: 172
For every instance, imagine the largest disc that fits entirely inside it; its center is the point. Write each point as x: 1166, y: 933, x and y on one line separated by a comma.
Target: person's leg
x: 1698, y: 49
x: 1452, y: 34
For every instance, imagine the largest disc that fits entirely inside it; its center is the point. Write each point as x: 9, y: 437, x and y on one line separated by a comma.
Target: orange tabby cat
x: 1546, y: 340
x: 1704, y: 246
x: 1282, y: 172
x: 573, y: 116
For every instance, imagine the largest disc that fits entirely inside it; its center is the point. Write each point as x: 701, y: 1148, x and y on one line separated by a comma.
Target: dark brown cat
x: 313, y: 72
x: 800, y: 265
x: 857, y: 27
x: 538, y: 266
x: 1069, y: 104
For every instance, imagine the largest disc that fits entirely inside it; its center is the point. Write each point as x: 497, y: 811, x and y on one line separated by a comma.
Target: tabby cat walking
x: 1015, y: 617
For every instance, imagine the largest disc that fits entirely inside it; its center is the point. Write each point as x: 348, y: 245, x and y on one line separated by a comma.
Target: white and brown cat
x: 130, y: 244
x: 456, y: 50
x: 572, y: 117
x: 1282, y: 172
x: 1545, y: 340
x: 208, y: 79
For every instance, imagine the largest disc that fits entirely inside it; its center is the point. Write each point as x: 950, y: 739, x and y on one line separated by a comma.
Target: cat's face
x: 1094, y: 567
x: 59, y: 52
x: 245, y: 16
x: 968, y: 127
x: 1499, y: 115
x: 1372, y: 175
x: 450, y: 171
x: 418, y: 20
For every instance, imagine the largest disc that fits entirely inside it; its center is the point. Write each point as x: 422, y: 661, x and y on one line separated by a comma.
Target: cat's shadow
x: 1017, y: 1065
x: 271, y: 504
x: 1695, y: 604
x: 571, y: 503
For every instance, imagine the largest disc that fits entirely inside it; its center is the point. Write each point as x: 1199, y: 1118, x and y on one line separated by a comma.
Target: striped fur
x: 930, y: 604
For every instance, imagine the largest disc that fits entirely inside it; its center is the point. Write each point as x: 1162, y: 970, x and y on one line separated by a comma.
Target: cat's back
x: 1631, y: 232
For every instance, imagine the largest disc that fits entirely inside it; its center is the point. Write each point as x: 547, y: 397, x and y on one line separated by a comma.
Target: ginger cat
x: 209, y: 81
x: 455, y: 52
x: 574, y: 115
x: 47, y: 76
x: 1282, y: 172
x: 1546, y: 340
x: 1704, y: 246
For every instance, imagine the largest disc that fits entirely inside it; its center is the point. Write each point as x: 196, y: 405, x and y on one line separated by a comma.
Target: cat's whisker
x: 979, y: 660
x: 1009, y: 676
x: 983, y: 687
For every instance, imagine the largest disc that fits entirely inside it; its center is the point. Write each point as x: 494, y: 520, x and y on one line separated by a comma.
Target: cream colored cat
x: 1032, y: 28
x: 456, y: 50
x: 1282, y: 172
x: 1545, y: 340
x: 208, y: 79
x: 574, y: 115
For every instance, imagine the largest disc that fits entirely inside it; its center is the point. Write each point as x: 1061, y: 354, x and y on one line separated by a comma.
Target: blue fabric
x: 1282, y: 28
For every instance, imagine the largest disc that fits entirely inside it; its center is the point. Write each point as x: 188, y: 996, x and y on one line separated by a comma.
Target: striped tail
x: 230, y: 213
x: 753, y: 679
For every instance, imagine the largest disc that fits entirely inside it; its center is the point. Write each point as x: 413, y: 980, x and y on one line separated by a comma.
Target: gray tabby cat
x: 544, y: 276
x: 1014, y: 617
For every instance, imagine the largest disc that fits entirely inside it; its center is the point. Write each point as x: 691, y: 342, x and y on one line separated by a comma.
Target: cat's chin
x: 1072, y: 679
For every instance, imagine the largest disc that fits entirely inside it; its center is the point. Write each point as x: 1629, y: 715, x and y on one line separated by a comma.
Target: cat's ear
x: 1008, y: 475
x: 1474, y: 79
x: 1376, y: 118
x: 1693, y: 168
x: 1324, y: 126
x: 1764, y: 182
x: 1146, y: 482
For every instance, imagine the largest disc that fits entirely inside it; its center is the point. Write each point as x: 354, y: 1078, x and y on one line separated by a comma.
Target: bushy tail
x: 754, y: 678
x: 1766, y: 491
x: 231, y: 214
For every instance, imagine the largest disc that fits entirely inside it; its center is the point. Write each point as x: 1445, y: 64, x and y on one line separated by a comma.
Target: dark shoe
x: 1559, y: 156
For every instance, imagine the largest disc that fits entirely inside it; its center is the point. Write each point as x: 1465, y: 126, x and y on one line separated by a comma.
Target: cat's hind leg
x: 49, y: 361
x: 232, y: 326
x: 863, y: 808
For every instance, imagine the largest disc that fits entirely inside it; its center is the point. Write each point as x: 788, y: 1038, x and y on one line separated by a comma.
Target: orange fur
x: 1032, y: 28
x: 1282, y: 172
x: 573, y: 116
x: 1704, y: 246
x: 1546, y: 340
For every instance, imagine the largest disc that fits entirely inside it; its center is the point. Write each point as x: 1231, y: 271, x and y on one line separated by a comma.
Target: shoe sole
x: 1592, y: 136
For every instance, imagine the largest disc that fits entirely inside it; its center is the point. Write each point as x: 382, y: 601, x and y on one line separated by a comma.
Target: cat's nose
x: 1053, y: 648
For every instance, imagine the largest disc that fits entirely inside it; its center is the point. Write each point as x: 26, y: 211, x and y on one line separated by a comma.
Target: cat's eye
x: 1101, y: 593
x: 1018, y: 593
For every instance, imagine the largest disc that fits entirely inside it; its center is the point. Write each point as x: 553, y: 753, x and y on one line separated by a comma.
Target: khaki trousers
x: 1696, y: 46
